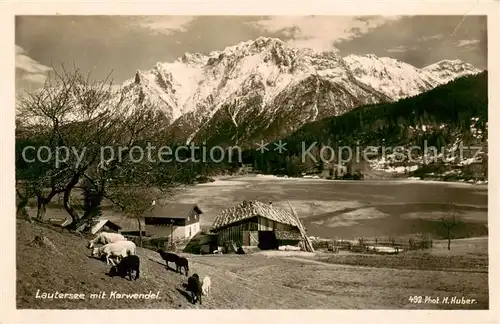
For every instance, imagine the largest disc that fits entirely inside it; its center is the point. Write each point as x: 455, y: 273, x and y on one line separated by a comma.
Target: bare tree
x: 109, y: 177
x: 41, y: 116
x: 449, y: 223
x: 85, y: 116
x: 70, y: 114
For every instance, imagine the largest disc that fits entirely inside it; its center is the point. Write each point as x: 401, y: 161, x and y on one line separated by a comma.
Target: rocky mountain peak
x: 268, y: 83
x: 137, y: 78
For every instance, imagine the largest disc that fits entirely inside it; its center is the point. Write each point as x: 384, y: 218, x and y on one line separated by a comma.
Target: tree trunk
x: 140, y: 231
x: 92, y: 207
x: 449, y: 239
x: 22, y: 209
x: 172, y: 236
x: 41, y: 208
x: 23, y: 202
x: 42, y: 203
x: 67, y: 206
x: 67, y: 193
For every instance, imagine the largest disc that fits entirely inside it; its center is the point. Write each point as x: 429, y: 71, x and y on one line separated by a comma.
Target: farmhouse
x: 180, y: 221
x: 254, y: 223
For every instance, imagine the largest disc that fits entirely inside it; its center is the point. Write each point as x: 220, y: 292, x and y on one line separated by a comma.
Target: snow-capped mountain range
x: 265, y: 89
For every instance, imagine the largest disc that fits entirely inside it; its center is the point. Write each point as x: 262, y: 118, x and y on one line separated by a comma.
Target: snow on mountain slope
x: 447, y: 70
x: 167, y: 86
x: 271, y: 88
x: 392, y: 77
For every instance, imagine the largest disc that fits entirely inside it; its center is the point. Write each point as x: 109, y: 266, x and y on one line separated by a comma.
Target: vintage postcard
x: 333, y: 160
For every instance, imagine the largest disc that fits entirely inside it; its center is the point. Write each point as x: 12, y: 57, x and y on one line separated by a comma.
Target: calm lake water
x: 350, y: 209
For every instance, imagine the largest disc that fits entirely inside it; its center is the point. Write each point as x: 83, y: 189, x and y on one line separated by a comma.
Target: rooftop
x: 249, y: 209
x: 173, y: 210
x: 101, y: 222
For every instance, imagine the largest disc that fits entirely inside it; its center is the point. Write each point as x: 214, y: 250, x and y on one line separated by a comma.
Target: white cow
x: 118, y: 249
x: 206, y: 285
x: 105, y: 238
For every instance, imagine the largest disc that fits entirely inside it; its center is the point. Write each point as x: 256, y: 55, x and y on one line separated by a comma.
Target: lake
x: 351, y: 209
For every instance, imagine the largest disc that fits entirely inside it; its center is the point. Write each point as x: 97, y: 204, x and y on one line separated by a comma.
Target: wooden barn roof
x: 173, y: 210
x: 101, y: 223
x: 249, y: 209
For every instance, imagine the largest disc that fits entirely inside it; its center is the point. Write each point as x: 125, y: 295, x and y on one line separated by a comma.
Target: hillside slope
x: 74, y: 271
x: 257, y: 281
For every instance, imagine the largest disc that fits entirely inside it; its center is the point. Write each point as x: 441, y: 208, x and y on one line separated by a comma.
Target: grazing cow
x: 206, y: 285
x: 118, y: 249
x: 180, y: 263
x: 194, y: 287
x: 126, y: 266
x: 168, y: 257
x: 105, y: 238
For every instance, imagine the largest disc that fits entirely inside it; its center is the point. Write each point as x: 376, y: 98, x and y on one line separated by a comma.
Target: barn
x: 254, y: 223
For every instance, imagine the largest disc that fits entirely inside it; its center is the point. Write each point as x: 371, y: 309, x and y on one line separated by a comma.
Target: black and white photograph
x: 251, y: 162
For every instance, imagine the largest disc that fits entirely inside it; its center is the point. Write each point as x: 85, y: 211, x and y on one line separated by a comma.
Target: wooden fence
x: 365, y: 244
x: 404, y: 244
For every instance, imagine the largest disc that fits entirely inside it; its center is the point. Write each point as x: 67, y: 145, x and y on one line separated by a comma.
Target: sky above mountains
x: 123, y: 44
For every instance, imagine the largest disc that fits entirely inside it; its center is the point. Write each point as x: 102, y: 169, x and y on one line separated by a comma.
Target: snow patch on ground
x: 223, y: 183
x: 308, y: 208
x: 352, y: 218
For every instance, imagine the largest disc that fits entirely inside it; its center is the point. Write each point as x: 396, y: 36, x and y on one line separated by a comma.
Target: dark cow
x: 180, y: 263
x: 194, y: 287
x: 126, y: 266
x: 168, y: 256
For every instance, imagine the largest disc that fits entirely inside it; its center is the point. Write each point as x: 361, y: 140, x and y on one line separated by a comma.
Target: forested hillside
x: 443, y: 117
